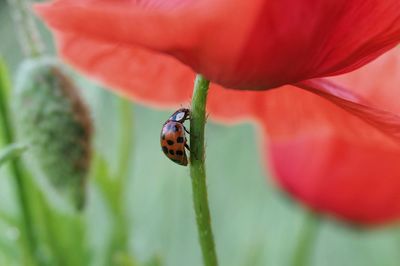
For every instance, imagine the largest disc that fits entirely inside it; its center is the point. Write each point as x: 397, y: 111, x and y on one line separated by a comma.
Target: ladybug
x: 173, y: 137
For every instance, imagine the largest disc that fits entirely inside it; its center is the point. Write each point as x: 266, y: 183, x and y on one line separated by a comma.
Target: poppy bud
x: 53, y: 119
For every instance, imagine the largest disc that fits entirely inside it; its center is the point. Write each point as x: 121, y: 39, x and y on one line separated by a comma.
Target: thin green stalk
x: 198, y: 171
x: 119, y: 241
x: 27, y: 31
x: 16, y: 168
x: 126, y: 139
x: 306, y: 242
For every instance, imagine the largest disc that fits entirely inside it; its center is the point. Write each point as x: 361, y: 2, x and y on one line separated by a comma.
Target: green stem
x: 16, y: 170
x: 308, y: 234
x: 120, y: 237
x: 198, y: 172
x: 126, y: 139
x: 27, y: 31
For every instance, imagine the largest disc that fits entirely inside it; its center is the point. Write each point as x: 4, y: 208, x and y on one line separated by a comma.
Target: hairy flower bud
x: 53, y: 119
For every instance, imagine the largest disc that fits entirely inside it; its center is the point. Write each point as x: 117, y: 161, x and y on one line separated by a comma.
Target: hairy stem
x: 198, y: 171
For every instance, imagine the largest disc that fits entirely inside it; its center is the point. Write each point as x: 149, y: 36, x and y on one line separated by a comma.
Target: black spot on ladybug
x: 163, y: 136
x: 176, y: 128
x: 180, y: 140
x: 170, y: 142
x: 180, y: 153
x: 165, y: 149
x: 171, y: 152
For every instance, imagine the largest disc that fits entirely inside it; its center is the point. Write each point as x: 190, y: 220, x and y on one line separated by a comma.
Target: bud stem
x: 198, y: 171
x: 28, y: 34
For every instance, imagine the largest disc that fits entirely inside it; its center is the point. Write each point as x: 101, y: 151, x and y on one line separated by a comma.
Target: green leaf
x: 11, y: 152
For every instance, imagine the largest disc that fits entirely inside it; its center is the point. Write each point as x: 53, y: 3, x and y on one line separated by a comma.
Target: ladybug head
x: 180, y: 115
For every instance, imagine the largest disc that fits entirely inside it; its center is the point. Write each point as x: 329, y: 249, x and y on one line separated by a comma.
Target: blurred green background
x: 254, y: 224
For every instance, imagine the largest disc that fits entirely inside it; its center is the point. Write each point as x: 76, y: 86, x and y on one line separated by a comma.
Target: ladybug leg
x: 187, y: 146
x: 187, y: 131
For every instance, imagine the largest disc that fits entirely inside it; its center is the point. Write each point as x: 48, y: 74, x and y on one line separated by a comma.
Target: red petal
x: 241, y: 44
x: 139, y: 74
x: 340, y: 155
x: 334, y: 161
x: 154, y: 79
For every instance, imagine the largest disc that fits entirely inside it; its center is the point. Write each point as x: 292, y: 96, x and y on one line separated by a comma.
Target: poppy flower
x: 333, y: 143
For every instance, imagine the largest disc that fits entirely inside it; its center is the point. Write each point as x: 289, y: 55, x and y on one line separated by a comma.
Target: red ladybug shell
x: 173, y: 142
